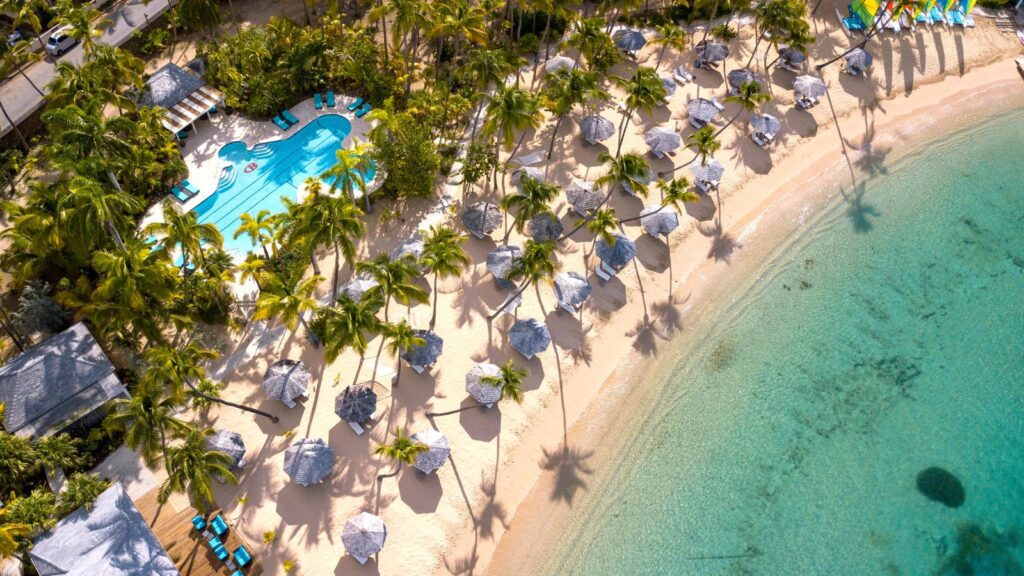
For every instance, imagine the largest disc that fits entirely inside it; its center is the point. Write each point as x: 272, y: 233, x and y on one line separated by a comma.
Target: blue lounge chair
x: 318, y: 101
x: 363, y: 110
x: 219, y: 526
x: 198, y: 522
x: 330, y: 99
x: 281, y: 123
x: 221, y: 552
x: 352, y: 107
x: 289, y: 117
x: 182, y: 197
x: 956, y: 17
x: 237, y: 573
x: 215, y: 543
x: 242, y: 556
x: 192, y: 189
x: 937, y: 16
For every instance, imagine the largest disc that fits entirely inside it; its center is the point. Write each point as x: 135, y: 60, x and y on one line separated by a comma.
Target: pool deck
x: 201, y: 147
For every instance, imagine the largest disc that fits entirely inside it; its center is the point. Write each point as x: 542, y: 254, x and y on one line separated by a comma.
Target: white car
x: 59, y: 42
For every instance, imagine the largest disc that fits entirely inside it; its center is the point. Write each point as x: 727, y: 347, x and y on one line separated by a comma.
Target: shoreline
x: 532, y: 497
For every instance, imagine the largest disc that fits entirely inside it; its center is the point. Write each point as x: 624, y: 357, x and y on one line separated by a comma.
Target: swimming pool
x: 257, y: 179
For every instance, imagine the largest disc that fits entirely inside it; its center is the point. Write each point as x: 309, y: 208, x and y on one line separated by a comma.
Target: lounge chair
x: 717, y: 104
x: 219, y: 526
x: 318, y: 101
x: 698, y: 124
x: 281, y: 123
x: 363, y: 110
x: 192, y: 189
x: 289, y: 117
x: 221, y: 552
x: 179, y: 194
x: 706, y: 186
x: 530, y: 159
x: 237, y: 573
x: 356, y: 428
x: 937, y: 16
x: 215, y: 542
x: 682, y: 76
x: 242, y: 556
x: 330, y: 99
x: 762, y: 139
x: 956, y: 18
x: 355, y: 104
x: 198, y: 522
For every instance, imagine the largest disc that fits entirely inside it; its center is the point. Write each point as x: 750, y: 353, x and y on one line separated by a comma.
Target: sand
x: 515, y: 467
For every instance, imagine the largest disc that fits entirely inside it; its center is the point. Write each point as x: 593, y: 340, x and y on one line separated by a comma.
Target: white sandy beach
x: 507, y: 476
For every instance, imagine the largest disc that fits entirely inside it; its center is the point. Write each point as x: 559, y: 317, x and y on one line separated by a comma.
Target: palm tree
x: 399, y: 336
x: 772, y: 19
x: 37, y: 510
x: 396, y: 279
x: 17, y: 57
x: 671, y: 35
x: 137, y: 278
x: 533, y: 200
x: 288, y: 296
x: 350, y: 324
x: 602, y: 225
x: 443, y: 256
x: 82, y: 134
x: 200, y: 14
x: 488, y: 67
x: 510, y: 380
x: 750, y: 97
x: 644, y: 91
x: 11, y: 535
x: 190, y: 465
x: 259, y: 229
x: 460, y: 20
x: 511, y: 110
x: 552, y: 8
x: 333, y: 220
x: 565, y: 89
x: 537, y: 264
x: 58, y: 451
x: 183, y: 229
x: 349, y: 172
x: 92, y: 207
x: 674, y: 193
x: 402, y: 450
x: 705, y: 141
x: 629, y: 170
x: 252, y: 268
x: 147, y: 419
x: 81, y: 490
x: 16, y: 460
x: 84, y: 22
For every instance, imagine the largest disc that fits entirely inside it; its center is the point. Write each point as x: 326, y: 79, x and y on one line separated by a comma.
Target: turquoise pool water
x: 257, y: 179
x: 888, y: 339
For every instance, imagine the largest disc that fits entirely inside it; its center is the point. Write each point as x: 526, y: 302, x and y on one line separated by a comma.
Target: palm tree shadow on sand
x: 722, y: 243
x: 570, y: 468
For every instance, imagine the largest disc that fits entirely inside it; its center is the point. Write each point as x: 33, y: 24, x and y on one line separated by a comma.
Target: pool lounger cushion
x: 289, y: 117
x: 281, y: 123
x: 242, y: 556
x: 318, y: 102
x: 363, y: 110
x: 352, y: 107
x: 192, y: 189
x: 330, y: 99
x: 219, y: 525
x: 180, y: 194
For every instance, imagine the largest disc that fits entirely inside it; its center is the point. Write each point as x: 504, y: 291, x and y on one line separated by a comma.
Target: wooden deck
x: 186, y: 547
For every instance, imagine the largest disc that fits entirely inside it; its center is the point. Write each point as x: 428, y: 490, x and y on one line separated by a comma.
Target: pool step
x: 261, y: 151
x: 227, y: 178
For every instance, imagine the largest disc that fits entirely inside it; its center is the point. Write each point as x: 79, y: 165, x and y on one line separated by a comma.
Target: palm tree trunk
x: 115, y: 235
x: 196, y: 391
x: 337, y: 270
x: 450, y: 412
x: 316, y: 265
x: 626, y: 113
x: 234, y: 20
x: 113, y: 180
x: 661, y: 55
x: 508, y: 301
x: 544, y: 39
x: 21, y: 71
x: 554, y: 135
x: 8, y: 327
x: 14, y: 126
x: 433, y: 313
x: 381, y: 477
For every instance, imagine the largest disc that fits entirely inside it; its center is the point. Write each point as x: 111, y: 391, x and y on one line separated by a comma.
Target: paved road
x: 21, y: 99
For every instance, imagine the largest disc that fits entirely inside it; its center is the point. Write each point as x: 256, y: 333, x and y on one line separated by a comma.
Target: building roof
x: 56, y: 382
x: 184, y: 95
x: 110, y: 539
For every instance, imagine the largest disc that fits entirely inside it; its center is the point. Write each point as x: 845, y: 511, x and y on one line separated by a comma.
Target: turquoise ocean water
x: 887, y: 339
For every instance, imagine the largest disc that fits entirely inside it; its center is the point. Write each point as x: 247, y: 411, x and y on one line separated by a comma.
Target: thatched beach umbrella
x: 646, y: 179
x: 791, y: 56
x: 737, y: 78
x: 425, y: 356
x: 356, y: 287
x: 544, y: 227
x: 412, y: 247
x: 702, y: 110
x: 529, y: 337
x: 662, y: 140
x: 482, y: 218
x: 596, y: 128
x: 482, y: 391
x: 765, y: 124
x: 809, y: 87
x: 500, y: 262
x: 356, y: 403
x: 558, y: 63
x: 286, y: 380
x: 658, y: 221
x: 707, y: 173
x: 364, y: 536
x: 308, y: 461
x: 669, y: 84
x: 629, y: 40
x: 712, y: 51
x: 583, y: 198
x: 230, y: 443
x: 526, y: 172
x: 572, y: 290
x: 436, y: 453
x: 857, y: 60
x: 616, y: 255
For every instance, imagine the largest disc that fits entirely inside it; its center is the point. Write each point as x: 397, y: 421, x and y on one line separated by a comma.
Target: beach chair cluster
x: 212, y: 532
x: 359, y: 107
x: 863, y: 13
x: 185, y: 191
x: 285, y: 120
x: 324, y: 100
x: 682, y: 76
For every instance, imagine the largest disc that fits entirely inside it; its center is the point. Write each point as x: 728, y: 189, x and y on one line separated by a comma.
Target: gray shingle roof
x: 582, y: 197
x: 658, y: 221
x: 308, y: 461
x: 545, y: 227
x: 56, y: 382
x: 111, y: 539
x: 596, y: 128
x: 411, y: 247
x: 356, y: 287
x: 529, y: 337
x: 169, y: 86
x: 437, y: 450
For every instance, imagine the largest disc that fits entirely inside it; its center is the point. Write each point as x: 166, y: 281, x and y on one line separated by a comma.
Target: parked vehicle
x: 60, y: 42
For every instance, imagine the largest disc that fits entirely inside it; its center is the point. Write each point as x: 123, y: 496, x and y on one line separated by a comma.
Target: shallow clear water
x: 888, y: 339
x: 257, y: 179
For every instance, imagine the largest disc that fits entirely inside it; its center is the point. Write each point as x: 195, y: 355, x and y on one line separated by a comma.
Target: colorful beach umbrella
x: 865, y: 10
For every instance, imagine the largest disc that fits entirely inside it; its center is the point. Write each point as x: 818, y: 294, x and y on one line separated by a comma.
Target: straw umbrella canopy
x: 357, y: 286
x: 412, y: 247
x: 528, y: 171
x: 428, y: 353
x: 711, y: 171
x: 364, y: 536
x: 616, y: 255
x: 308, y: 461
x: 286, y: 380
x: 436, y: 453
x: 501, y: 259
x: 557, y: 63
x: 791, y: 56
x: 809, y: 86
x: 702, y: 110
x: 230, y: 443
x: 483, y: 392
x: 482, y: 218
x: 857, y: 60
x: 582, y: 197
x: 529, y: 337
x: 765, y: 124
x: 736, y: 78
x: 662, y: 140
x: 544, y: 227
x: 658, y: 221
x: 712, y: 51
x: 669, y: 84
x: 572, y: 289
x: 646, y: 179
x: 596, y: 128
x: 629, y: 40
x: 356, y: 404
